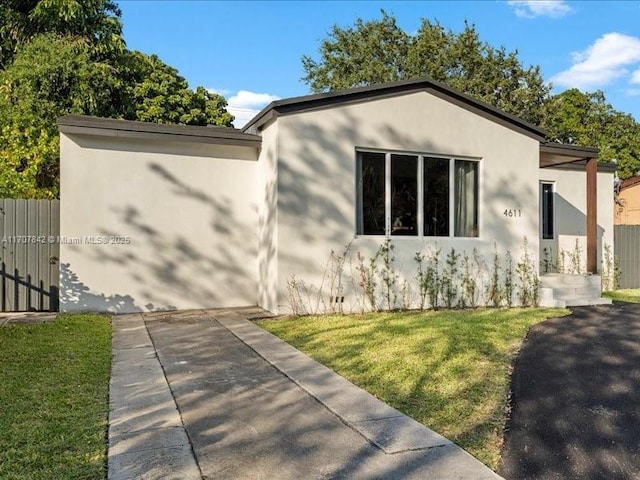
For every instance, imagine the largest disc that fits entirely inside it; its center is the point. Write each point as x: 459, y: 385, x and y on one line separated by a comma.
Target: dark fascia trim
x: 568, y: 150
x: 580, y: 165
x: 373, y: 92
x: 109, y: 127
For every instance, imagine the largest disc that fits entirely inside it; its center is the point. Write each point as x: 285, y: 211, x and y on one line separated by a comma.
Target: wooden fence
x: 29, y: 259
x: 627, y: 249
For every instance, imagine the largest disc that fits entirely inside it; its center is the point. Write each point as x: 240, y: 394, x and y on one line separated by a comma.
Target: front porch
x: 570, y: 287
x: 586, y: 159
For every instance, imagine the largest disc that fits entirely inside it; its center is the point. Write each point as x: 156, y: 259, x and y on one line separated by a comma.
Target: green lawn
x: 624, y: 295
x: 448, y: 369
x: 54, y: 382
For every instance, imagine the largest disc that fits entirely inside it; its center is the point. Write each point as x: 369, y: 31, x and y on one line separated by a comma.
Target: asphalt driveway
x: 576, y: 398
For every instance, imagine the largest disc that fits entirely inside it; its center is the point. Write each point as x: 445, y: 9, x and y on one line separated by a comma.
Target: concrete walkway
x: 208, y: 394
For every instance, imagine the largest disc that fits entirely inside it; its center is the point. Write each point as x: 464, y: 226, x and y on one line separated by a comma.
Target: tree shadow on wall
x: 203, y: 266
x: 316, y: 200
x: 76, y: 296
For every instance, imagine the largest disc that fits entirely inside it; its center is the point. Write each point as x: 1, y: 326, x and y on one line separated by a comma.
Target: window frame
x: 420, y: 186
x: 551, y: 184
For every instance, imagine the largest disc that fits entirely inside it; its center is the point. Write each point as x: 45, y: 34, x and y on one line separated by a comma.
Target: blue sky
x: 250, y: 51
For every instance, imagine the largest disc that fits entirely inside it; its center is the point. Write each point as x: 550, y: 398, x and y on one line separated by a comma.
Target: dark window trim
x: 421, y: 156
x: 544, y: 233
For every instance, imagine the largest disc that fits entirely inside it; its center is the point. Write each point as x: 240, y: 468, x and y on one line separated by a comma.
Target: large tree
x: 96, y: 21
x: 157, y: 93
x: 52, y: 76
x: 48, y: 78
x: 574, y: 117
x: 65, y: 56
x: 370, y: 52
x: 379, y: 51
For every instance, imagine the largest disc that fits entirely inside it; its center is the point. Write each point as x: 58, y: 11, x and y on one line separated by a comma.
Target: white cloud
x: 540, y: 8
x: 244, y: 105
x: 224, y: 92
x: 246, y: 99
x: 635, y: 77
x: 601, y: 63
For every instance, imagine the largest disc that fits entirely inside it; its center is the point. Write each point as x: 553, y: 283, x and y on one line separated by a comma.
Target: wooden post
x: 592, y: 215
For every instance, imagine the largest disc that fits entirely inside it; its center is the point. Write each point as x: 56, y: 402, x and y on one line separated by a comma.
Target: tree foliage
x: 574, y: 117
x: 62, y: 57
x: 371, y: 52
x: 48, y: 78
x: 378, y: 51
x: 466, y: 63
x: 96, y: 21
x: 157, y: 93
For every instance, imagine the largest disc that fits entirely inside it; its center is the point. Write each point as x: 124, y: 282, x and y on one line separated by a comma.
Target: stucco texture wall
x: 317, y: 182
x: 627, y: 211
x: 571, y: 212
x: 185, y: 215
x: 267, y: 219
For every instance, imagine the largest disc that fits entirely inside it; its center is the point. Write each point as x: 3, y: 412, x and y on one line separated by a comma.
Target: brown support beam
x: 592, y: 215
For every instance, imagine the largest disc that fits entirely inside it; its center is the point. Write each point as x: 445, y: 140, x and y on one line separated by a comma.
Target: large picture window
x: 416, y: 195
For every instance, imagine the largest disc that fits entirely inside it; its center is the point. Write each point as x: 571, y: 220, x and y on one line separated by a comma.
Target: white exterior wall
x: 188, y: 210
x: 571, y: 212
x: 268, y: 219
x: 317, y: 179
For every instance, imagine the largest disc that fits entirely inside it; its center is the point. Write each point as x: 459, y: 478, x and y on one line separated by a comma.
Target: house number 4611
x: 512, y: 212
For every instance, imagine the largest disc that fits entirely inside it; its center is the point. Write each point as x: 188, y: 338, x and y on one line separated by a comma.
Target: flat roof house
x: 205, y: 217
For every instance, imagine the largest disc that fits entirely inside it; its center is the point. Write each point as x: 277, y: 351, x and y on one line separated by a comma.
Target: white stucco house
x: 171, y: 217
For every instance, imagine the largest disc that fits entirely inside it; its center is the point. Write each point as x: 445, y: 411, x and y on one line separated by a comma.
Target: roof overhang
x: 109, y: 127
x: 555, y: 154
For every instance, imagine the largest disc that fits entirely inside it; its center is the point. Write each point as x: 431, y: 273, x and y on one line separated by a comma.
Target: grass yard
x: 624, y: 295
x: 54, y: 381
x: 448, y: 369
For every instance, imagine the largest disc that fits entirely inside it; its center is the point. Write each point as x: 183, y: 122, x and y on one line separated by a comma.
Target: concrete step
x: 567, y: 293
x: 553, y: 304
x: 546, y: 299
x: 565, y: 290
x: 588, y: 302
x: 560, y: 280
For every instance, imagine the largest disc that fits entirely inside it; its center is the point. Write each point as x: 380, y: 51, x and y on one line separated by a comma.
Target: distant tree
x: 48, y: 78
x: 379, y: 51
x: 368, y: 53
x: 61, y: 57
x: 53, y: 76
x: 95, y: 21
x: 157, y: 93
x: 574, y: 117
